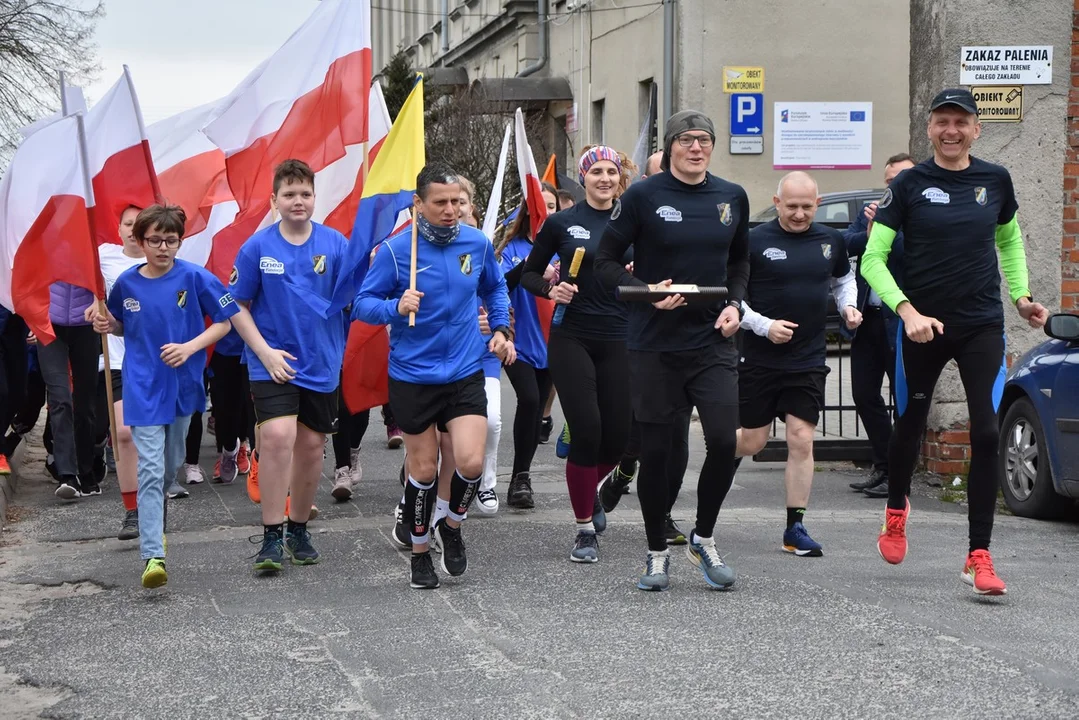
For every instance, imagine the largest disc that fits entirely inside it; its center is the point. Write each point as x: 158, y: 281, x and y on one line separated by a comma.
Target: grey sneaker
x: 656, y: 571
x: 176, y: 490
x: 230, y: 468
x: 702, y: 552
x: 585, y: 549
x: 130, y: 529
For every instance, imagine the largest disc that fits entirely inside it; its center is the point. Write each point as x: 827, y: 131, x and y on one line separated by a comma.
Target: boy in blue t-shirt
x: 284, y: 275
x: 159, y: 307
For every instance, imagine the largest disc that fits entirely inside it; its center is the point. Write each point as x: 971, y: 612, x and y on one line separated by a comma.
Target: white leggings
x: 493, y: 386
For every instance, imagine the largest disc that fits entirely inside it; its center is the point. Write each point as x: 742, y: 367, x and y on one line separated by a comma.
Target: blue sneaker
x: 599, y: 518
x: 561, y: 448
x: 702, y: 552
x: 298, y: 546
x: 796, y: 540
x: 585, y: 549
x: 271, y: 557
x: 656, y: 572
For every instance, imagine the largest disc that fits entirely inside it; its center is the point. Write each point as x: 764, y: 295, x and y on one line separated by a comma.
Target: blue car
x: 1039, y: 426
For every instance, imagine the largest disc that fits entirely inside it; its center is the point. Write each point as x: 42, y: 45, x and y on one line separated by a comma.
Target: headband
x: 594, y: 155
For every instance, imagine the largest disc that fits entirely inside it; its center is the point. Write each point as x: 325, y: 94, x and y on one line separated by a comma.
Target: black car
x: 836, y: 207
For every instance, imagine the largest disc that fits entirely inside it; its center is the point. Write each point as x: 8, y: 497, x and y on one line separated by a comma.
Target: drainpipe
x: 668, y: 60
x: 541, y: 11
x: 445, y: 26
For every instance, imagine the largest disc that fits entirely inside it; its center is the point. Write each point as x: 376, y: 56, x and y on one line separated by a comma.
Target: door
x: 1065, y: 404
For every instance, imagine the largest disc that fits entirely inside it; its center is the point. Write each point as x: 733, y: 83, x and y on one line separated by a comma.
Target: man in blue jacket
x: 872, y: 350
x: 436, y: 365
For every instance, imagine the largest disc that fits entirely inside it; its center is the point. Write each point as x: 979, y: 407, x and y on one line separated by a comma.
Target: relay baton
x: 574, y: 268
x: 693, y: 294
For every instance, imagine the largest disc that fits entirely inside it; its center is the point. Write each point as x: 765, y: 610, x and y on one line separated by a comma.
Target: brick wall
x: 1069, y: 246
x: 947, y: 452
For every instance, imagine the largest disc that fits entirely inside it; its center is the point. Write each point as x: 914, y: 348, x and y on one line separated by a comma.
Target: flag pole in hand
x: 412, y: 270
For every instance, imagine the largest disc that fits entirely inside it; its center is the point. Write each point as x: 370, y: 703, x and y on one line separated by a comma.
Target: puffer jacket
x: 67, y: 303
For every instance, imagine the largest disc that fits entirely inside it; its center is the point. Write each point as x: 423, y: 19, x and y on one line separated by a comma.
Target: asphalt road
x: 525, y: 633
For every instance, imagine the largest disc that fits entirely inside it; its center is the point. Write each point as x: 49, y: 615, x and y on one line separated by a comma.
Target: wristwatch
x: 737, y: 304
x: 504, y: 330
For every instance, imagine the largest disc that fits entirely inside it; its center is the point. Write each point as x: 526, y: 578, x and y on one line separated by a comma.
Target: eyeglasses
x: 687, y: 141
x: 156, y: 242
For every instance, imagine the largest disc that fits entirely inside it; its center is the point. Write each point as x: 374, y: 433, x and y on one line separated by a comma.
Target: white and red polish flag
x: 46, y: 211
x: 308, y: 101
x: 191, y: 172
x: 531, y: 189
x: 120, y: 164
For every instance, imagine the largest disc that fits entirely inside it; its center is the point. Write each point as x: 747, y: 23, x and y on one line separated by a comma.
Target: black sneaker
x: 130, y: 529
x: 612, y: 488
x: 454, y: 560
x: 298, y: 546
x: 599, y: 517
x: 519, y: 494
x: 69, y: 489
x: 401, y: 535
x: 271, y: 557
x: 877, y: 491
x: 674, y: 534
x: 875, y: 478
x: 89, y: 489
x: 546, y: 426
x: 423, y: 572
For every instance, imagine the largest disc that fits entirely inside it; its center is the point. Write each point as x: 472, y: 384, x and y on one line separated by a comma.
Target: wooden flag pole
x: 412, y: 268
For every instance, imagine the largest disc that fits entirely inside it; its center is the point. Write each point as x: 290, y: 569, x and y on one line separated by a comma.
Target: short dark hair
x: 292, y: 171
x: 900, y: 157
x: 564, y: 196
x: 435, y: 173
x: 170, y: 218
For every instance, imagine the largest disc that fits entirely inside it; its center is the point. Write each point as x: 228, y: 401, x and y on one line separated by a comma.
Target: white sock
x: 697, y: 538
x: 587, y: 527
x: 659, y: 553
x: 442, y: 509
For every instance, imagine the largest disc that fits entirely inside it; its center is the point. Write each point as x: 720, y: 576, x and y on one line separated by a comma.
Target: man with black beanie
x: 686, y: 226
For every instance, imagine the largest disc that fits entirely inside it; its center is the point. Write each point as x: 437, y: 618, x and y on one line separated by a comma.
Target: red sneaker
x: 892, y: 541
x: 243, y: 460
x: 217, y: 472
x: 394, y: 437
x: 5, y: 469
x: 980, y: 575
x: 253, y: 491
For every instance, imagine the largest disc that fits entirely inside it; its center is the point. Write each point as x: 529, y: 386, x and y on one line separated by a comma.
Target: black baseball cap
x: 959, y: 97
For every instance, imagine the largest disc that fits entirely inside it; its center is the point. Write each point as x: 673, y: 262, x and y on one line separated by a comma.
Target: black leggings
x: 230, y: 392
x: 592, y: 379
x: 350, y: 431
x: 677, y: 459
x: 532, y: 386
x: 979, y: 352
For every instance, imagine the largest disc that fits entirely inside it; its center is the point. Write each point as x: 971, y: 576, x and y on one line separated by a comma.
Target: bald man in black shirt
x: 687, y: 226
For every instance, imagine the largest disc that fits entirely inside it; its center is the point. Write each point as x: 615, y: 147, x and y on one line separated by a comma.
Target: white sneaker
x: 486, y: 502
x: 176, y: 490
x: 357, y: 469
x: 193, y: 474
x: 342, y: 484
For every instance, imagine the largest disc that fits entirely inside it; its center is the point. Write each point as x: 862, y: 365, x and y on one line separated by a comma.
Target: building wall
x: 836, y: 51
x: 1034, y: 151
x: 1069, y: 245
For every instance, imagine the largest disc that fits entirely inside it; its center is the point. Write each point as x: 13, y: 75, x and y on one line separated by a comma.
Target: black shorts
x: 117, y: 386
x: 314, y: 410
x: 668, y: 383
x: 417, y: 406
x: 765, y: 394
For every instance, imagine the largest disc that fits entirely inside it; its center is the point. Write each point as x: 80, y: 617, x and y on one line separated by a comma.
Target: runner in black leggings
x: 955, y: 212
x: 587, y: 349
x: 528, y: 375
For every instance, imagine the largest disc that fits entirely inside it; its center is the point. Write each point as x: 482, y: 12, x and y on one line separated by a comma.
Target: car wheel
x: 1025, y: 477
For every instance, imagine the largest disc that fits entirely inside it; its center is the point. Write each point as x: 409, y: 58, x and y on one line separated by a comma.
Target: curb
x: 9, y: 484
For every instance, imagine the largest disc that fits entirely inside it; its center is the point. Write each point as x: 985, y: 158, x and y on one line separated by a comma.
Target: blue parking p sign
x: 747, y: 114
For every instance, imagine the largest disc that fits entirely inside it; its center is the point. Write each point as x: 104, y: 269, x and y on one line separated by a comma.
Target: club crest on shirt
x: 936, y: 195
x: 669, y: 214
x: 466, y: 263
x: 725, y: 214
x: 181, y: 298
x: 885, y: 199
x: 826, y: 250
x: 980, y: 196
x: 578, y: 232
x: 234, y: 275
x: 319, y: 261
x: 774, y: 254
x: 132, y: 305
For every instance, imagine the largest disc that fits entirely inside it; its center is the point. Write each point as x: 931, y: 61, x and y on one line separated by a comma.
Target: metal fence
x: 841, y: 435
